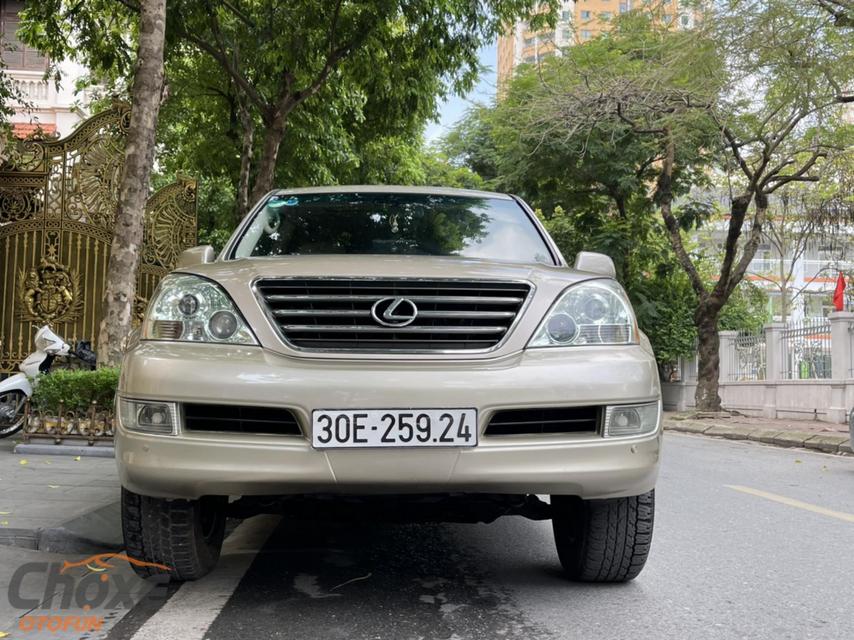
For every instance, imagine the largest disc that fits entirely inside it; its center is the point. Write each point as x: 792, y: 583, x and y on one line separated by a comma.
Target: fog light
x: 222, y: 325
x: 150, y: 417
x: 631, y: 420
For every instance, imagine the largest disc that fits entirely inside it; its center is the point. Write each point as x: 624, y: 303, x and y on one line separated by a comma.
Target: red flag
x: 839, y: 293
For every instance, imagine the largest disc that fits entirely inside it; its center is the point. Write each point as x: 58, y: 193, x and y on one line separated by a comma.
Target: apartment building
x: 577, y: 22
x: 793, y: 256
x: 810, y: 275
x: 45, y: 109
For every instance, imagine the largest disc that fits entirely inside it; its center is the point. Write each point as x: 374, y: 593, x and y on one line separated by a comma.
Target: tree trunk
x: 120, y: 290
x: 273, y: 135
x: 248, y: 144
x: 708, y: 365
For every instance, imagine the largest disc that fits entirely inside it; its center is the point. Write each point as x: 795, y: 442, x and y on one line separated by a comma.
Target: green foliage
x: 100, y: 33
x: 353, y: 84
x: 664, y: 303
x: 746, y: 309
x: 76, y: 389
x: 584, y: 138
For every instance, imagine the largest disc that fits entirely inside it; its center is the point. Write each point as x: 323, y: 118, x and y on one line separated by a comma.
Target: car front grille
x: 336, y: 314
x: 513, y: 422
x: 240, y: 419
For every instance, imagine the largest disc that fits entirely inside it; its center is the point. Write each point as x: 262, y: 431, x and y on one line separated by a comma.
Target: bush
x: 76, y: 389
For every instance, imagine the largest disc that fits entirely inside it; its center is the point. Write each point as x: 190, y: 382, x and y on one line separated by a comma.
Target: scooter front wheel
x: 12, y: 413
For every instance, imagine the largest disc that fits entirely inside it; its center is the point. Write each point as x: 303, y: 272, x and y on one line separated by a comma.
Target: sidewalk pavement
x: 40, y: 493
x: 55, y: 508
x: 809, y: 434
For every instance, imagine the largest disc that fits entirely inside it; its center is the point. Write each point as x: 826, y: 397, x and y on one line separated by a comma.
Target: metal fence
x: 748, y: 361
x: 806, y: 352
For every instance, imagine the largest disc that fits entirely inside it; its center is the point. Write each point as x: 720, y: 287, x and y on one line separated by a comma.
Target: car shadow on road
x: 366, y: 580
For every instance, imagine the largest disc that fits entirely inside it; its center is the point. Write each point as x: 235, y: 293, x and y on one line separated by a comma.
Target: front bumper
x: 189, y: 465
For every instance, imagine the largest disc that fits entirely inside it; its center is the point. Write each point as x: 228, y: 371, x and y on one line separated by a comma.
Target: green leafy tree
x: 329, y: 78
x: 120, y: 286
x: 394, y: 56
x: 62, y: 29
x: 754, y: 97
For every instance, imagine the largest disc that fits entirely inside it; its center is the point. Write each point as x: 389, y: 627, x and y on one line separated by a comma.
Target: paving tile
x: 828, y: 443
x: 762, y: 435
x: 687, y: 426
x: 727, y: 431
x: 791, y: 438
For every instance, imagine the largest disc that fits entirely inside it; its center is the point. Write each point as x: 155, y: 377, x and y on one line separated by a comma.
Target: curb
x: 94, y: 532
x: 824, y: 442
x: 65, y: 450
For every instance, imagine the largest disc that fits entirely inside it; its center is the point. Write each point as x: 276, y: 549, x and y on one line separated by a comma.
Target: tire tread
x: 168, y: 532
x: 604, y: 540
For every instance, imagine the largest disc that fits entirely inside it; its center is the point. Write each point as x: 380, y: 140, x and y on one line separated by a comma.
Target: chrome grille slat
x: 349, y: 313
x: 335, y: 313
x: 378, y: 329
x: 353, y: 298
x: 360, y: 313
x: 470, y: 315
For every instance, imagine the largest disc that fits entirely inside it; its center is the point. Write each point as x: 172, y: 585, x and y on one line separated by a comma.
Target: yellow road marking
x: 806, y: 506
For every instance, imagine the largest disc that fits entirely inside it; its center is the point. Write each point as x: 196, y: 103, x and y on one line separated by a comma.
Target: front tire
x: 12, y: 412
x: 183, y: 537
x: 603, y: 540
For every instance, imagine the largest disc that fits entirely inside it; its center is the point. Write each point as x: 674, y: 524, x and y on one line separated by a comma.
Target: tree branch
x: 222, y: 58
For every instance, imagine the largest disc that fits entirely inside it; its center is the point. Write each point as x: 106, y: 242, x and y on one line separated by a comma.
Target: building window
x: 585, y: 34
x: 565, y: 34
x: 685, y: 19
x: 624, y: 7
x: 564, y: 15
x: 605, y: 15
x: 818, y: 305
x: 530, y: 42
x: 529, y: 59
x: 668, y: 19
x: 585, y: 15
x: 17, y: 55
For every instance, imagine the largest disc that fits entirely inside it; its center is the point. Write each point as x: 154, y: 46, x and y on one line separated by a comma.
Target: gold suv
x: 422, y: 353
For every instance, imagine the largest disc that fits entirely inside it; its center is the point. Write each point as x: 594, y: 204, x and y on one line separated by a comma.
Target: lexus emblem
x: 394, y: 312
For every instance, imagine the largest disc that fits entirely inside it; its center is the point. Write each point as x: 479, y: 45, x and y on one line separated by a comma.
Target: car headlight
x: 192, y: 309
x: 591, y: 312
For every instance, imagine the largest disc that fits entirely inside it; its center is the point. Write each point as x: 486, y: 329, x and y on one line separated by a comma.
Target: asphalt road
x: 750, y: 542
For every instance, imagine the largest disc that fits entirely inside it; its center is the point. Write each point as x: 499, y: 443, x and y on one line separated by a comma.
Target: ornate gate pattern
x: 57, y: 212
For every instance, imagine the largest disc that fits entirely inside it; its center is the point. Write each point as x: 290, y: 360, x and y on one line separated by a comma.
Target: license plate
x: 333, y: 428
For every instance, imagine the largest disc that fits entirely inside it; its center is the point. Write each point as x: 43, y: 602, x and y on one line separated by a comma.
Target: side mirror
x: 595, y: 263
x: 196, y: 255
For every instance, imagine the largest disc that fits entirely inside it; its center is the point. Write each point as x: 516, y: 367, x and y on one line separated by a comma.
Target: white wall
x: 60, y: 107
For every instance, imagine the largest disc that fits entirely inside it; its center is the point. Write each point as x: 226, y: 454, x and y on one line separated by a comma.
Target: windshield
x: 393, y: 224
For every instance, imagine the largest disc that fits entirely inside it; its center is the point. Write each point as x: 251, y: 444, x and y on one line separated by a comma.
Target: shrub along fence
x: 73, y: 405
x: 801, y: 371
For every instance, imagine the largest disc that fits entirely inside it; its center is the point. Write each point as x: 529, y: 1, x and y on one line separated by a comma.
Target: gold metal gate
x: 57, y: 211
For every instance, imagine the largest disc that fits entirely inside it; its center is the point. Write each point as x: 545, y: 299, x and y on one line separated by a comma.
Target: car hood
x: 238, y: 276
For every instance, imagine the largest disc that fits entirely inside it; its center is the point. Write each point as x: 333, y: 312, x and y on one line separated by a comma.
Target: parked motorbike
x: 16, y: 389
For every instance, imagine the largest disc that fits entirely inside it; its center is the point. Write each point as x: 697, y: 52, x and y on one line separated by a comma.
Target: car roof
x: 374, y: 188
